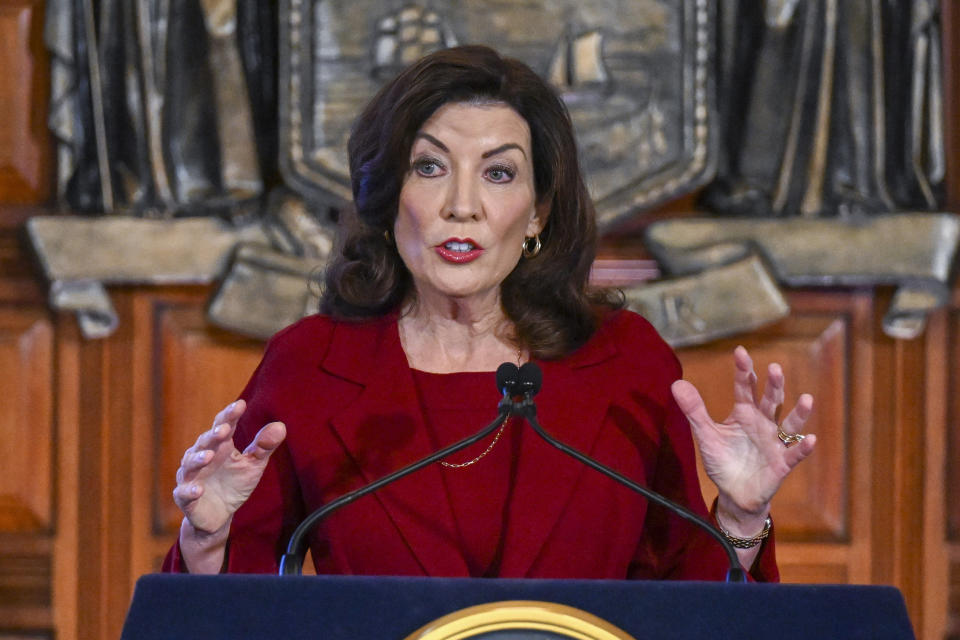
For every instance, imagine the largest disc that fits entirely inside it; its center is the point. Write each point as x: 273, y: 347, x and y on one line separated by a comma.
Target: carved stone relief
x: 831, y: 119
x: 162, y: 109
x: 634, y: 75
x: 638, y: 78
x: 914, y: 251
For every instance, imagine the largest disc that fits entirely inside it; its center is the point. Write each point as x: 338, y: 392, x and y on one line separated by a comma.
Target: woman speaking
x: 470, y: 246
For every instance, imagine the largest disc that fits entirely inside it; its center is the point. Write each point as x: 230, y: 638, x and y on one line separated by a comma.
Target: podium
x: 387, y: 608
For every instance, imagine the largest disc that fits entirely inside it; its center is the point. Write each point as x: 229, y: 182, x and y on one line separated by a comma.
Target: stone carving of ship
x: 577, y: 68
x: 615, y: 131
x: 406, y: 36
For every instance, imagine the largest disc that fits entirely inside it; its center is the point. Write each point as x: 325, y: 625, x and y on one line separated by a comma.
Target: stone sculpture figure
x: 162, y: 108
x: 829, y: 107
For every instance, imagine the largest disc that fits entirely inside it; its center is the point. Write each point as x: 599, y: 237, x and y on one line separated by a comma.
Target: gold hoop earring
x: 387, y: 238
x: 531, y: 252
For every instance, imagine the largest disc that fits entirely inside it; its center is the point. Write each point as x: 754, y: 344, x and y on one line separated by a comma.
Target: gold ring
x: 789, y: 439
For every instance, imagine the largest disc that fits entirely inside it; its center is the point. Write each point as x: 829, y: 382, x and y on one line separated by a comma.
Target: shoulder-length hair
x: 547, y: 297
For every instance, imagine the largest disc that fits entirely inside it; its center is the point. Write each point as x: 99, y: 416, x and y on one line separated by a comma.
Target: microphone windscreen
x: 531, y: 378
x: 507, y: 376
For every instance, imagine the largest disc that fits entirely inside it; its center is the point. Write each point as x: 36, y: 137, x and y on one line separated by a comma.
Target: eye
x: 428, y: 167
x: 500, y: 174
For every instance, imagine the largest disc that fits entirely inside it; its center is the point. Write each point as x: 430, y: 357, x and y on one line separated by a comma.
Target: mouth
x: 460, y: 245
x: 459, y: 250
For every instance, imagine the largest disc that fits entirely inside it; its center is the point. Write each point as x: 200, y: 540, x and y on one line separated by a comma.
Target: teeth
x: 458, y: 246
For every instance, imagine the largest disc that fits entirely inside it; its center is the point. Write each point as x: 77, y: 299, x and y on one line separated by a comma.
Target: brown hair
x: 546, y: 297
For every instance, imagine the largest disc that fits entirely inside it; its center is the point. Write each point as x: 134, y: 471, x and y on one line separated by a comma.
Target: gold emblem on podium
x: 520, y: 619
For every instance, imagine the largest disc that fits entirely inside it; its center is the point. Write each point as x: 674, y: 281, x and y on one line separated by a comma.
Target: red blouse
x: 455, y: 406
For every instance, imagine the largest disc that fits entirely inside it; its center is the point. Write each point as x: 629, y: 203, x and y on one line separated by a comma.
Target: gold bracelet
x: 746, y: 543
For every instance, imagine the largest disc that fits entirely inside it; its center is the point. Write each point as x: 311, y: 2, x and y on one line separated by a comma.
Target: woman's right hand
x: 214, y: 479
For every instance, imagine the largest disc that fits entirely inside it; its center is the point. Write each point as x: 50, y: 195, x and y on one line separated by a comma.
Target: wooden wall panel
x: 189, y: 371
x: 952, y: 494
x: 26, y: 363
x: 27, y: 481
x: 953, y: 602
x: 936, y: 560
x: 949, y: 501
x: 24, y: 139
x: 199, y: 370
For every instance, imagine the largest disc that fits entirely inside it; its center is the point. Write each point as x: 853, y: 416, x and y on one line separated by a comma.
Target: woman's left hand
x: 743, y: 455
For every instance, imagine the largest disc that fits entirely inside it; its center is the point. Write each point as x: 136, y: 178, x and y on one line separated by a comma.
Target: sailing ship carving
x: 577, y: 65
x: 406, y: 36
x: 614, y: 130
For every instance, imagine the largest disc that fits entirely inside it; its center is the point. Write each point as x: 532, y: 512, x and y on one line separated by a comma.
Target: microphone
x: 530, y: 381
x: 508, y: 375
x: 291, y: 562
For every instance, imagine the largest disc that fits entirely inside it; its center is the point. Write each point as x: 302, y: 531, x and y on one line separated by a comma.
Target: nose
x: 463, y: 199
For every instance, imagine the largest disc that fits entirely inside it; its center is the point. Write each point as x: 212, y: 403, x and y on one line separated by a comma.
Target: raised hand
x: 214, y: 478
x: 747, y: 455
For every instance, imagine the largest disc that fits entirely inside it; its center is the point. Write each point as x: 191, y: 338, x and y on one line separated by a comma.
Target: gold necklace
x: 461, y: 465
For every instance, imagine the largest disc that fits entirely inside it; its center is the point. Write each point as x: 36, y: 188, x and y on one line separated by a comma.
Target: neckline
x: 398, y: 334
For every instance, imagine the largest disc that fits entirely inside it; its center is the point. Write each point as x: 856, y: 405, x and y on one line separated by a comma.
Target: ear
x: 538, y: 221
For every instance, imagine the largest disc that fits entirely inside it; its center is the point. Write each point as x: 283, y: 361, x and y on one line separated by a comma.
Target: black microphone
x: 291, y: 562
x: 508, y: 376
x: 530, y: 381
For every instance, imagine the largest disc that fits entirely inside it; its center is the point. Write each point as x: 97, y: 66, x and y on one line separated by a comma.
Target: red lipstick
x: 459, y: 250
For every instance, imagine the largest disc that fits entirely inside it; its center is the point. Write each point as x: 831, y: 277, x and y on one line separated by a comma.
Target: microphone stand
x: 291, y: 563
x: 528, y: 410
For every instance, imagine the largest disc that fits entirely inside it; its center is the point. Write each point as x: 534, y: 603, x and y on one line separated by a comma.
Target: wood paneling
x: 953, y: 624
x: 28, y: 513
x: 900, y: 457
x: 24, y: 139
x: 947, y: 503
x: 198, y: 370
x: 952, y: 494
x: 26, y: 575
x: 26, y: 364
x: 936, y: 560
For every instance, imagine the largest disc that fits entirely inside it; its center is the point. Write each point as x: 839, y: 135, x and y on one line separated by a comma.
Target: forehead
x: 481, y: 124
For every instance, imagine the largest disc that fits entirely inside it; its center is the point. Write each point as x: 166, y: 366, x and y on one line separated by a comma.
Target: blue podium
x: 387, y: 608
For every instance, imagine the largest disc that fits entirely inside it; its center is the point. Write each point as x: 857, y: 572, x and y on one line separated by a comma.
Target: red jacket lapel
x: 370, y: 354
x: 570, y: 407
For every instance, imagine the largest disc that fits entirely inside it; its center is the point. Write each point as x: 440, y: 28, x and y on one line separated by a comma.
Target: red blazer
x: 347, y: 396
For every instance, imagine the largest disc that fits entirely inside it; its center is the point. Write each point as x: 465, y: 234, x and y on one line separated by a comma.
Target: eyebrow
x: 504, y: 147
x: 431, y: 139
x: 486, y: 154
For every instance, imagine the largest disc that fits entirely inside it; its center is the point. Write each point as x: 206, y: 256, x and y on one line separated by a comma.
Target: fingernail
x: 200, y: 457
x: 194, y: 490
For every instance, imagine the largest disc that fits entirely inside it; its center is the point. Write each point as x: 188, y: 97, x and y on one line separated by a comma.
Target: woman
x: 472, y: 246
